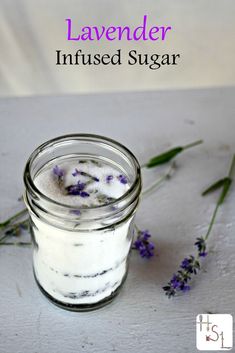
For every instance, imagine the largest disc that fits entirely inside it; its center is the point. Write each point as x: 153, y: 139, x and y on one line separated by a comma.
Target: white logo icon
x: 214, y: 332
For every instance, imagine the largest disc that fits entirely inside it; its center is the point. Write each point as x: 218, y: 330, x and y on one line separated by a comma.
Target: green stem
x: 159, y: 181
x: 17, y: 215
x: 199, y: 142
x: 221, y: 198
x: 168, y: 155
x: 212, y: 221
x: 19, y: 243
x: 4, y: 237
x: 11, y: 228
x: 136, y: 228
x: 231, y: 167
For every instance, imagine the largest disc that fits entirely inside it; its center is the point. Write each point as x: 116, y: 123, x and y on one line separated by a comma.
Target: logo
x: 214, y: 332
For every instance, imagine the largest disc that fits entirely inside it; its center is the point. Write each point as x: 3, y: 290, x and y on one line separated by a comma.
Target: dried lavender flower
x: 84, y: 194
x: 77, y: 189
x: 58, y: 172
x: 76, y: 172
x: 201, y: 246
x: 179, y: 282
x: 122, y: 179
x: 109, y: 178
x: 76, y: 212
x: 142, y: 243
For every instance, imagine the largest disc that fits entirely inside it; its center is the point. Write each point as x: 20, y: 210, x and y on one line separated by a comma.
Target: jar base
x: 81, y: 307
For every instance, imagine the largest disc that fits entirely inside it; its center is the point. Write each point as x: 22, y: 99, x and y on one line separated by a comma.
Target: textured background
x: 141, y: 318
x: 31, y: 31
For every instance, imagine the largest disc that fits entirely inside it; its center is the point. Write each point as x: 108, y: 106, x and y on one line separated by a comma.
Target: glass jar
x: 80, y: 256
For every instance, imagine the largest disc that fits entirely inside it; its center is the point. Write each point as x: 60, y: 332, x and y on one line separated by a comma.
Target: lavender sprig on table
x: 13, y: 218
x: 191, y: 265
x: 143, y: 244
x: 15, y: 230
x: 11, y: 228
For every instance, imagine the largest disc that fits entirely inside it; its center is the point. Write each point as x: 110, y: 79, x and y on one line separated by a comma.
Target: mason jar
x: 80, y: 253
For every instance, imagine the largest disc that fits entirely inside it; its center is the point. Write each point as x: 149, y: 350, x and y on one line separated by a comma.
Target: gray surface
x: 141, y: 318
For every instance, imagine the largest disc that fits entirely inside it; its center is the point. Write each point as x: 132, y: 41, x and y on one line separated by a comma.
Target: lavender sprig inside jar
x: 82, y: 192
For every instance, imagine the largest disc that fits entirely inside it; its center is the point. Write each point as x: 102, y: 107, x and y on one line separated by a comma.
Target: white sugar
x: 94, y: 175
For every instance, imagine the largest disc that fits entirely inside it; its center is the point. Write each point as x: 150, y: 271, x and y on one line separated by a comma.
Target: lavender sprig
x: 159, y: 181
x: 142, y: 243
x: 13, y: 218
x: 191, y: 265
x: 17, y: 243
x: 15, y: 230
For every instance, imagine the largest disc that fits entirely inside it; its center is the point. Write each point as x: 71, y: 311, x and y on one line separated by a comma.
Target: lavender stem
x: 17, y: 215
x: 218, y: 204
x: 199, y: 142
x: 160, y: 180
x: 19, y: 243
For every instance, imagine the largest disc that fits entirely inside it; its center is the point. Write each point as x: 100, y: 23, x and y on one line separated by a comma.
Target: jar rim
x: 28, y: 180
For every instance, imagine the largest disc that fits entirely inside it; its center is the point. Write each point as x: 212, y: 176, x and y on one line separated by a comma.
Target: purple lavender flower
x: 146, y: 235
x: 185, y: 263
x: 175, y: 281
x: 122, y: 179
x: 57, y: 171
x: 203, y: 254
x: 76, y: 189
x: 143, y: 245
x: 185, y: 288
x: 76, y: 172
x: 109, y: 178
x: 84, y: 194
x: 76, y: 212
x: 201, y: 246
x: 188, y: 264
x: 179, y: 281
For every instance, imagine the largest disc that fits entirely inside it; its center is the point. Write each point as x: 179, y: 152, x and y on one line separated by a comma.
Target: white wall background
x: 31, y: 31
